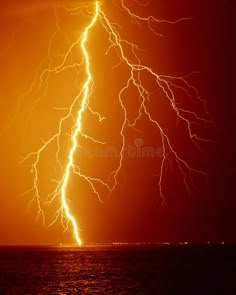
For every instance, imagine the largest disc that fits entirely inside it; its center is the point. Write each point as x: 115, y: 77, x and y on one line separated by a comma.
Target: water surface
x: 156, y: 270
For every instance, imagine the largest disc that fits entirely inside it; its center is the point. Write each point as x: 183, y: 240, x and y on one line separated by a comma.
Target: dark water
x: 122, y: 270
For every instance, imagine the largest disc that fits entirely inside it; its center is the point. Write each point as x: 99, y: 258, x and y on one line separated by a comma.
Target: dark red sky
x: 133, y: 213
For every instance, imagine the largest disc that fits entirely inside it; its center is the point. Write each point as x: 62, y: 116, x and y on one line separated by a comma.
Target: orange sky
x: 133, y: 210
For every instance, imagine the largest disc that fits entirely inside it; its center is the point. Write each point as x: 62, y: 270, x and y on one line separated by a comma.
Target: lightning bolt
x: 78, y: 128
x: 167, y: 85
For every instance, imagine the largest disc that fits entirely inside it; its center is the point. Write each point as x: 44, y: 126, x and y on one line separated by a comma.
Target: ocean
x: 119, y: 269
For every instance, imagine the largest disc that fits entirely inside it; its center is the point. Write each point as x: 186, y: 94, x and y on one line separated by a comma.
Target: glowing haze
x: 83, y: 70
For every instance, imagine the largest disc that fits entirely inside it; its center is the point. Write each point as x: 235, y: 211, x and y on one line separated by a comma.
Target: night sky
x: 134, y: 212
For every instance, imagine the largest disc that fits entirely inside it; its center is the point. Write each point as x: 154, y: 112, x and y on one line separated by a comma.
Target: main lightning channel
x: 69, y: 166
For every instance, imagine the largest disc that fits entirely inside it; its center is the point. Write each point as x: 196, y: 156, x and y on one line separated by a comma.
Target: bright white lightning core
x: 86, y: 90
x: 166, y: 84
